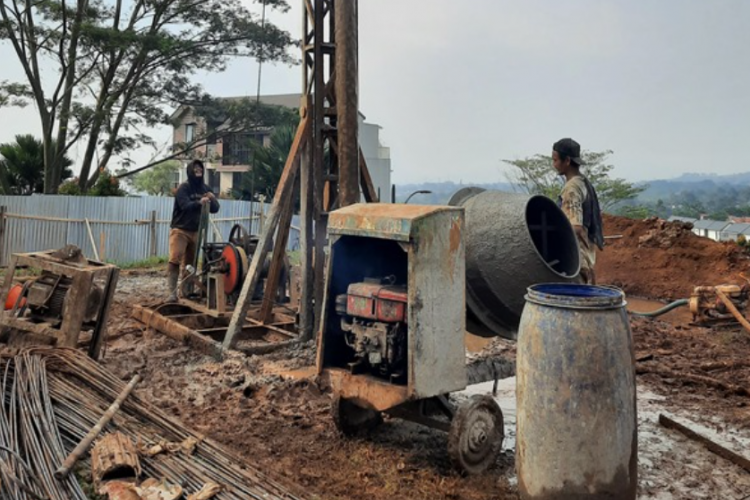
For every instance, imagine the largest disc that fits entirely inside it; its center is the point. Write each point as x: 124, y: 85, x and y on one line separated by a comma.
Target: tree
x: 535, y: 175
x: 159, y: 180
x: 22, y: 166
x: 119, y: 66
x: 268, y: 163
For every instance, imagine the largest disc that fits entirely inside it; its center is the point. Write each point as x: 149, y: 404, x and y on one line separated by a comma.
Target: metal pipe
x: 421, y: 191
x: 663, y: 310
x: 79, y: 450
x: 347, y: 104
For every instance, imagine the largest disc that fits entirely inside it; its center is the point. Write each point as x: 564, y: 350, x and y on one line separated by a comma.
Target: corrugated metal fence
x: 123, y: 230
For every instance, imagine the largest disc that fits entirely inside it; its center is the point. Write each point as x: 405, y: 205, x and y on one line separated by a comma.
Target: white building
x: 228, y: 159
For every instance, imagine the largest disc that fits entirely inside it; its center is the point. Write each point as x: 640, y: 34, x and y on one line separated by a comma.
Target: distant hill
x: 695, y: 183
x: 441, y: 192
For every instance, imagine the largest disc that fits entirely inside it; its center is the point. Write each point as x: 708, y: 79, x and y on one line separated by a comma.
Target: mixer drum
x: 513, y: 241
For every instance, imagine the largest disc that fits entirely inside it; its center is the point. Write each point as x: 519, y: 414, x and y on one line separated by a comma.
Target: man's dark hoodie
x: 187, y: 201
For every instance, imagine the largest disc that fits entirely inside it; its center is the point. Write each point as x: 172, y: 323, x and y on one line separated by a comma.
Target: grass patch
x: 140, y: 264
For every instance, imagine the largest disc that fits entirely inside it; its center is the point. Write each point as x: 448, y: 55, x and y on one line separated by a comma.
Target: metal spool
x: 236, y: 263
x: 512, y: 241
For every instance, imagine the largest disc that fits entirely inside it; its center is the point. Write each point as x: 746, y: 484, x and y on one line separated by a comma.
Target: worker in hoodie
x: 189, y: 201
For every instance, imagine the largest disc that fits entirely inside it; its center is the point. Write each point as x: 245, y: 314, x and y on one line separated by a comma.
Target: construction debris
x: 52, y: 397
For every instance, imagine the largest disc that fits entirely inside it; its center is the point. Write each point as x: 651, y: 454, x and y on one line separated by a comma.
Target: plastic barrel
x: 576, y: 422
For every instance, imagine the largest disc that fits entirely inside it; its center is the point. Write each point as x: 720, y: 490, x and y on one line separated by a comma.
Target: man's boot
x: 173, y: 274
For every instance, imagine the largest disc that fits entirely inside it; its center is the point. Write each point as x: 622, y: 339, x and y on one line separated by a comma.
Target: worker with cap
x: 579, y: 202
x: 189, y: 201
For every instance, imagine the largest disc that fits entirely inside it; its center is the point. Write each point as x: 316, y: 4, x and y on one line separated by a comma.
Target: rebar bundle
x: 52, y: 397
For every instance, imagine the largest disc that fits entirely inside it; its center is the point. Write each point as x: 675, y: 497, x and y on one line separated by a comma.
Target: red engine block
x: 376, y: 302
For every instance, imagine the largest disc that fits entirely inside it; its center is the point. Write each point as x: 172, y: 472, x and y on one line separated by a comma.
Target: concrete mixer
x: 400, y: 282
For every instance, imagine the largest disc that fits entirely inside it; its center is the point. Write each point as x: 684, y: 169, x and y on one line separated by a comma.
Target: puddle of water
x: 679, y: 316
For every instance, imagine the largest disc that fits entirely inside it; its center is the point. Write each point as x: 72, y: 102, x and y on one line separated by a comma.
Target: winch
x: 69, y: 294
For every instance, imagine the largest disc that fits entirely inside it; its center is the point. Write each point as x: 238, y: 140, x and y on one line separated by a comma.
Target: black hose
x: 663, y: 310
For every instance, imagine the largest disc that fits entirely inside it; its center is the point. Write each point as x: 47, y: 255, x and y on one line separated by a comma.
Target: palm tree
x: 22, y: 166
x: 267, y: 165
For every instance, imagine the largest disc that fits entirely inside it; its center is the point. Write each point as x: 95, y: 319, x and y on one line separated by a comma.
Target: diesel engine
x: 374, y: 320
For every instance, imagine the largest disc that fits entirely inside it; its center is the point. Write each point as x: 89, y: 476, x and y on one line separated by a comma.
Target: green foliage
x: 112, y: 69
x: 106, y: 185
x: 634, y: 211
x: 159, y: 180
x: 22, y: 166
x: 535, y: 175
x: 268, y: 163
x: 70, y: 188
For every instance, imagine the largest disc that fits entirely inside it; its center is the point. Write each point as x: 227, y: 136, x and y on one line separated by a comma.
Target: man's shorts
x: 182, y: 246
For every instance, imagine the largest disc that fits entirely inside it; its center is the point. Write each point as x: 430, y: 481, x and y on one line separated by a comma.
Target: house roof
x: 718, y: 226
x: 738, y: 228
x: 703, y: 223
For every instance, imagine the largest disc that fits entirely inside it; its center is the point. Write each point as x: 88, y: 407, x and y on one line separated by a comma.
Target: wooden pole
x: 152, y: 224
x: 93, y: 242
x: 79, y: 450
x: 277, y: 261
x: 283, y: 192
x: 720, y: 450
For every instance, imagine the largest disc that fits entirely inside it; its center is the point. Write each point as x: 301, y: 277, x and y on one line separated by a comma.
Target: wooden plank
x: 368, y: 188
x: 283, y: 192
x: 713, y: 446
x: 73, y: 314
x: 100, y: 332
x: 277, y: 261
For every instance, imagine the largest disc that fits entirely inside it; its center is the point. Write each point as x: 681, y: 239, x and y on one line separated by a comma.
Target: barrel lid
x: 576, y: 296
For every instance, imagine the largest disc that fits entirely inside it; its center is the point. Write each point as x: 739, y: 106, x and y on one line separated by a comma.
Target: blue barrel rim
x: 576, y: 296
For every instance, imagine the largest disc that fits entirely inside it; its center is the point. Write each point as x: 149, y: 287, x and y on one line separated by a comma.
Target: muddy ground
x: 275, y: 412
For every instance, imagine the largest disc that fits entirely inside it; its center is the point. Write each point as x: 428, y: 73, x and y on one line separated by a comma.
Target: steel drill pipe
x: 347, y: 100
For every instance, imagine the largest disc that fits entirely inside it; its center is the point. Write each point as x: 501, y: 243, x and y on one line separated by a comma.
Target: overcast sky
x: 459, y: 86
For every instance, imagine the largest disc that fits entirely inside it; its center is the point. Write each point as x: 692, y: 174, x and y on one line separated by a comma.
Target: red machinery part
x: 235, y: 261
x: 377, y: 302
x: 13, y: 295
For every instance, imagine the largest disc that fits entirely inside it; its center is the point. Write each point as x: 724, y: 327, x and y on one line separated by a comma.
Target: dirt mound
x: 665, y: 260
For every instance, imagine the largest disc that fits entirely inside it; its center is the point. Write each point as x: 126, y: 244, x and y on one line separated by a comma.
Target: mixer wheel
x: 351, y: 419
x: 476, y: 434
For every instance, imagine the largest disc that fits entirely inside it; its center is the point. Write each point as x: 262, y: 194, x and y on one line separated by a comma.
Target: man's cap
x: 568, y: 148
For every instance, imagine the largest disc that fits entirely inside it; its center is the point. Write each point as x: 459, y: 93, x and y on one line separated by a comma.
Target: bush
x: 70, y: 187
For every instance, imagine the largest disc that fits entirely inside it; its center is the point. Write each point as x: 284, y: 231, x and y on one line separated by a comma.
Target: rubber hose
x: 663, y: 310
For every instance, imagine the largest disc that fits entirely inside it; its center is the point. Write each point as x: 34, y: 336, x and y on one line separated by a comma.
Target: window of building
x: 189, y: 132
x: 238, y: 148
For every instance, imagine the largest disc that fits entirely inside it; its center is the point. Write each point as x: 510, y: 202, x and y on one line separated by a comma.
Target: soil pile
x: 665, y: 260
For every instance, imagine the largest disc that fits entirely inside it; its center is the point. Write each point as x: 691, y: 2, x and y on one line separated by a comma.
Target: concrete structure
x: 700, y: 227
x: 228, y: 158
